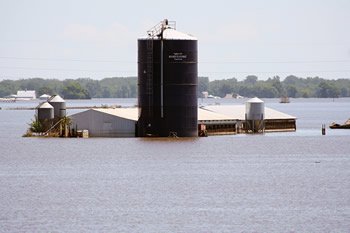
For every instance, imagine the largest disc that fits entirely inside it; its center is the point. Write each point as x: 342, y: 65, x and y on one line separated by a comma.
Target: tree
x: 244, y: 91
x: 116, y: 92
x: 250, y: 80
x: 74, y: 90
x: 344, y: 92
x: 292, y: 91
x: 333, y: 91
x: 225, y: 89
x: 277, y: 84
x: 106, y: 93
x: 125, y: 92
x: 127, y: 87
x: 324, y: 90
x: 35, y: 126
x: 268, y: 92
x: 46, y: 90
x: 8, y: 87
x: 94, y: 88
x: 305, y: 94
x: 291, y: 80
x: 214, y: 87
x: 203, y: 85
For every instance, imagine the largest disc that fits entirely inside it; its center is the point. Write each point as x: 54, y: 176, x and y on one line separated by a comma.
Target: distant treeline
x: 82, y: 88
x: 291, y: 86
x: 251, y: 86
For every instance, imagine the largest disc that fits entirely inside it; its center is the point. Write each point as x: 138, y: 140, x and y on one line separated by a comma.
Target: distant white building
x: 228, y: 96
x: 26, y: 95
x: 205, y: 94
x: 44, y: 97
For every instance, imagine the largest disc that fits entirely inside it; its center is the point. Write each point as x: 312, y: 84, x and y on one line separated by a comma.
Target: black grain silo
x: 167, y: 82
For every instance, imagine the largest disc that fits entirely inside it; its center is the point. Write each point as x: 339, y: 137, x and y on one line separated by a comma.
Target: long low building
x: 216, y: 120
x: 274, y: 120
x: 214, y: 123
x: 121, y: 122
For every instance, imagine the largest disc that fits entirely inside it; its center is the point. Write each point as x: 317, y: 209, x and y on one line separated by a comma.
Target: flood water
x: 274, y: 182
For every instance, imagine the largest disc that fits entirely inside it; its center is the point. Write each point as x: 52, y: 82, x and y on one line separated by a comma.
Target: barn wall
x: 101, y: 124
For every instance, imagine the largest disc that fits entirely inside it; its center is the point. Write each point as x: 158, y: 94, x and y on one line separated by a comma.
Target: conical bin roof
x: 45, y: 105
x: 255, y: 100
x: 57, y: 99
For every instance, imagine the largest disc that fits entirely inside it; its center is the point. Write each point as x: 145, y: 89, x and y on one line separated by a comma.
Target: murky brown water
x: 281, y: 182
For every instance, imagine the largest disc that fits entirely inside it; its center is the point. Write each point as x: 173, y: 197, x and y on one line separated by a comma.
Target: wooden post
x: 60, y: 129
x: 65, y: 131
x: 323, y: 129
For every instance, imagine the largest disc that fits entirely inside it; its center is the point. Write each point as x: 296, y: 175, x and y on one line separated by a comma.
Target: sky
x: 97, y: 39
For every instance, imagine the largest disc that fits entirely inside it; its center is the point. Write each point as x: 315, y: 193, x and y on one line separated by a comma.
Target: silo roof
x: 45, y: 96
x: 57, y: 99
x: 172, y: 34
x: 255, y: 100
x: 45, y: 105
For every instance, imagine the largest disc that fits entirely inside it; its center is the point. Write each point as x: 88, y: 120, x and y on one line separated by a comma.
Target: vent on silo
x: 167, y: 82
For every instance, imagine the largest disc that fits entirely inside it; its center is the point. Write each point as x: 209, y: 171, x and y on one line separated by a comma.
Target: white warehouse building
x: 119, y: 122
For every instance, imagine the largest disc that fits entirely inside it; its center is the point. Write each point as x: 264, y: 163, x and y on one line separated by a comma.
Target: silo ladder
x: 149, y: 71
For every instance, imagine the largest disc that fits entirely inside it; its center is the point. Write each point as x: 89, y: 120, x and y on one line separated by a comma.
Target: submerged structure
x: 50, y: 113
x: 45, y: 113
x: 167, y: 82
x: 254, y: 117
x: 212, y: 120
x: 59, y: 106
x: 255, y: 114
x: 167, y: 98
x: 346, y: 125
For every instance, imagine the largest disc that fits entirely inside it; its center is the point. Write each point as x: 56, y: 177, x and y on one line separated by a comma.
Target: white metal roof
x: 26, y: 94
x: 237, y: 112
x: 132, y: 114
x: 57, y: 98
x: 206, y: 115
x: 45, y: 96
x: 172, y: 34
x: 45, y: 105
x: 255, y: 100
x: 127, y: 113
